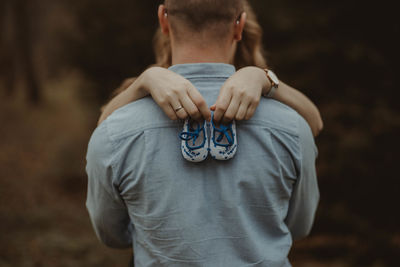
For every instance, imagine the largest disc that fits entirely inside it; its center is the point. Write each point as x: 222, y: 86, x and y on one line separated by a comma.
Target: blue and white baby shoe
x: 223, y: 144
x: 195, y: 142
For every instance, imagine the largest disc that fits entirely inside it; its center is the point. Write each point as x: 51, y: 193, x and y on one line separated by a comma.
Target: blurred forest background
x: 60, y: 60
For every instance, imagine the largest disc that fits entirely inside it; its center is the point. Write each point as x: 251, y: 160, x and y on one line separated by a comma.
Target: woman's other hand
x: 240, y: 95
x: 176, y: 96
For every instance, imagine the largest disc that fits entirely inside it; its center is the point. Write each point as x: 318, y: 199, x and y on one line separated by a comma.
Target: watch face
x: 273, y: 77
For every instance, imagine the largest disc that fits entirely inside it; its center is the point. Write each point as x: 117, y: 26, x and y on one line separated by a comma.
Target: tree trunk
x: 7, y: 55
x: 24, y: 49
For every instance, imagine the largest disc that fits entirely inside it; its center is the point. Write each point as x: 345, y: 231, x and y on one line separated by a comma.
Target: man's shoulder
x: 136, y: 117
x: 289, y: 125
x: 280, y: 117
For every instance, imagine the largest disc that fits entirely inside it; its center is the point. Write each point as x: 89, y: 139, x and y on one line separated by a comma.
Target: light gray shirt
x: 242, y: 212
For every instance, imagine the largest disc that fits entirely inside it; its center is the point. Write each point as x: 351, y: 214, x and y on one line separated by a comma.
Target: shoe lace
x: 224, y: 131
x: 192, y: 134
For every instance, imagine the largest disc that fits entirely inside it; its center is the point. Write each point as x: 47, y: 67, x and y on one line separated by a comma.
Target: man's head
x: 203, y: 23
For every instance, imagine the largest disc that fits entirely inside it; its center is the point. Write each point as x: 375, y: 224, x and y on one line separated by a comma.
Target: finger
x: 169, y: 111
x: 250, y: 112
x: 190, y: 107
x: 232, y: 110
x: 222, y: 104
x: 182, y: 114
x: 200, y: 103
x: 213, y: 107
x: 241, y: 113
x: 166, y: 106
x: 178, y: 108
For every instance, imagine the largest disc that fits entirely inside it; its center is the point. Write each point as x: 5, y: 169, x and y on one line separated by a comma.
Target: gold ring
x: 177, y: 109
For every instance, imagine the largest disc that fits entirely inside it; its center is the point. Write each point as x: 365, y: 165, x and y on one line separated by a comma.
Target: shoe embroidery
x: 194, y: 141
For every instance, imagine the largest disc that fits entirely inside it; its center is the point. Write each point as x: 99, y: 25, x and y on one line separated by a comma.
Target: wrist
x: 273, y: 83
x: 267, y: 85
x: 144, y: 80
x: 257, y: 75
x: 264, y: 81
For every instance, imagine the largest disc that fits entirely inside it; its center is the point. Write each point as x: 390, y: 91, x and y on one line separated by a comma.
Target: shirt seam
x: 169, y: 125
x: 300, y: 148
x: 173, y: 125
x: 144, y: 128
x: 113, y: 156
x: 272, y: 125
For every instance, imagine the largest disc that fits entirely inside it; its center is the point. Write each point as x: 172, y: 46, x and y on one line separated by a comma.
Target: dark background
x: 60, y: 60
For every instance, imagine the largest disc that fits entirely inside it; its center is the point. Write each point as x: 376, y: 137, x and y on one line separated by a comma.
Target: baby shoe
x: 223, y: 140
x: 194, y: 144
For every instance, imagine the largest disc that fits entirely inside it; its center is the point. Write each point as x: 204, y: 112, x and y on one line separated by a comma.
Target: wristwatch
x: 274, y: 83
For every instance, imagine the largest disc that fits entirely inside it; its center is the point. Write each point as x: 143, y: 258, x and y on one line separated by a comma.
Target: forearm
x: 134, y: 92
x: 302, y: 104
x: 285, y: 94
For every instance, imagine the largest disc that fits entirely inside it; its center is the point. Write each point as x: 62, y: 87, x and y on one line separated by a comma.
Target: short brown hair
x: 200, y: 15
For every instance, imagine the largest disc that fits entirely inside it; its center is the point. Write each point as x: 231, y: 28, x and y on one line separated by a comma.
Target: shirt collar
x: 198, y: 70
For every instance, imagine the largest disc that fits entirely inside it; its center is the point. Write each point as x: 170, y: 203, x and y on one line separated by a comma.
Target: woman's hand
x: 238, y: 99
x: 240, y: 95
x: 176, y: 96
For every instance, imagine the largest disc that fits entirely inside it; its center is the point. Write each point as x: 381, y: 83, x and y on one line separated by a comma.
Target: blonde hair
x: 249, y: 51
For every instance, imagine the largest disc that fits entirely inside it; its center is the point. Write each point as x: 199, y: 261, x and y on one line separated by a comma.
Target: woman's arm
x: 302, y: 104
x: 168, y: 89
x: 241, y: 93
x: 238, y: 98
x: 131, y: 90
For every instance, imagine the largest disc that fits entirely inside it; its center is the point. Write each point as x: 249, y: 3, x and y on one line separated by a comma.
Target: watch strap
x: 274, y: 86
x: 272, y: 91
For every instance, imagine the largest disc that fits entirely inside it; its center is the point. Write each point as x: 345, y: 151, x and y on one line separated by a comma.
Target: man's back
x: 242, y: 212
